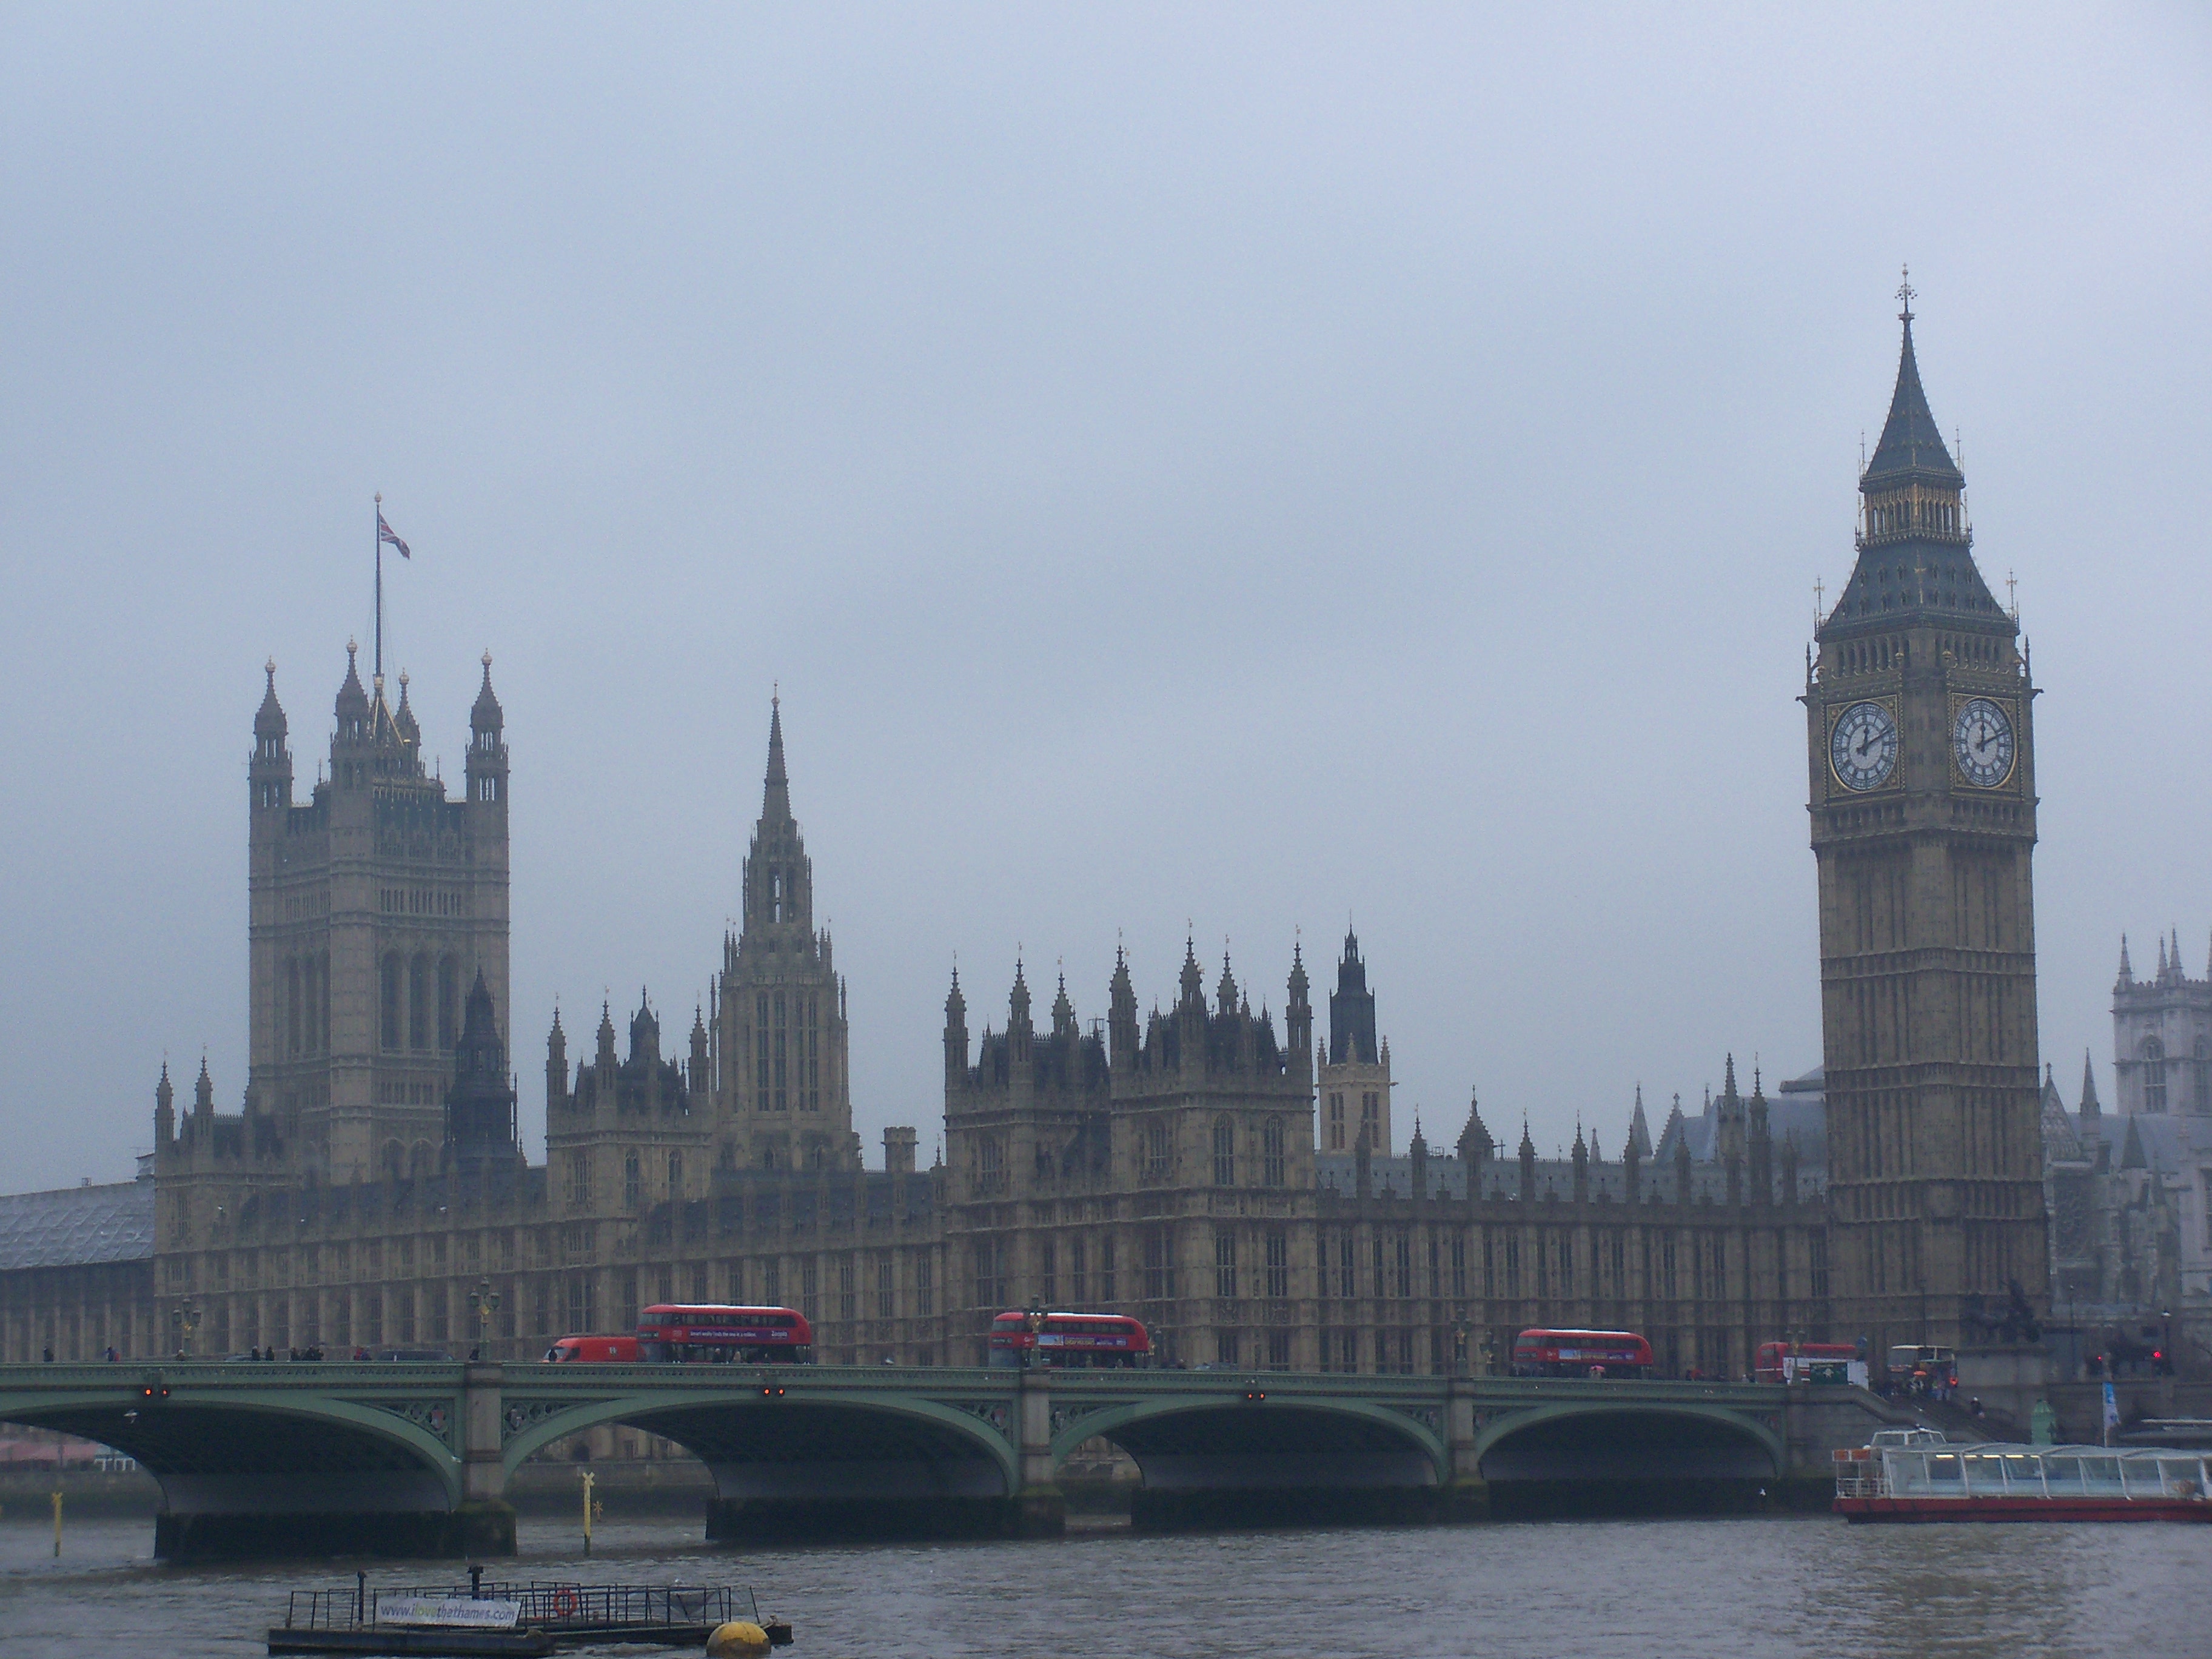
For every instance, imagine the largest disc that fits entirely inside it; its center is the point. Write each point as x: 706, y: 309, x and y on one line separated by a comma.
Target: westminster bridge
x: 406, y: 1459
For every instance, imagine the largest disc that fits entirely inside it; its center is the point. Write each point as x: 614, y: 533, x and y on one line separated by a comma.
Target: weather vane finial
x: 1906, y: 294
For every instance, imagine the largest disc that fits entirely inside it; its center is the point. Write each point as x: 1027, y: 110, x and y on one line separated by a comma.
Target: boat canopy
x: 1999, y: 1469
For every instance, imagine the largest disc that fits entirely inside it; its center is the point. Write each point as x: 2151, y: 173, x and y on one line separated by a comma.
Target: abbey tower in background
x: 1920, y: 731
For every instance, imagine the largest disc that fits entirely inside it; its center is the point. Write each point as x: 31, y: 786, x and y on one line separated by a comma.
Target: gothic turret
x: 1475, y: 1146
x: 556, y: 1065
x: 1527, y: 1165
x: 1298, y: 1019
x: 1021, y: 1035
x: 956, y: 1034
x: 1761, y: 1145
x: 2091, y: 1109
x: 403, y: 718
x: 1122, y: 1016
x: 270, y: 774
x: 351, y: 709
x: 1581, y: 1155
x: 164, y: 1112
x: 488, y: 758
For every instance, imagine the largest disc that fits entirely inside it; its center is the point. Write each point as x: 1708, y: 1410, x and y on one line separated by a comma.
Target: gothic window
x: 633, y: 1184
x: 925, y: 1286
x: 1489, y: 1266
x: 2153, y: 1075
x: 760, y: 1076
x: 1512, y: 1265
x: 847, y: 1301
x: 990, y: 1164
x: 395, y: 1160
x: 885, y: 1298
x: 418, y: 1003
x: 781, y: 1096
x: 1279, y: 1350
x: 1106, y: 1291
x: 1402, y: 1274
x: 2201, y: 1082
x: 1271, y: 1152
x: 1077, y: 1283
x: 1335, y: 1121
x: 1158, y: 1151
x: 1370, y: 1121
x: 1225, y: 1151
x: 1224, y: 1264
x: 1346, y: 1284
x: 1047, y: 1273
x: 1817, y: 1252
x: 449, y: 1004
x: 1459, y: 1265
x: 809, y: 1287
x: 1279, y: 1263
x: 675, y: 1177
x: 1159, y: 1264
x: 810, y: 1095
x: 772, y: 1283
x: 390, y: 1001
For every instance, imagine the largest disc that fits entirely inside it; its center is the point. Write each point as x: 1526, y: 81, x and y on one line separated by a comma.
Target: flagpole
x: 378, y: 535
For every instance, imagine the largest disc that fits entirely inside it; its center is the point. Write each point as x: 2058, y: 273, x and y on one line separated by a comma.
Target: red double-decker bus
x: 1619, y: 1354
x: 1070, y: 1341
x: 693, y: 1333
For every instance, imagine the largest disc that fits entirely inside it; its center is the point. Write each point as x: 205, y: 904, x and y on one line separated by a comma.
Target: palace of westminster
x: 1228, y: 1179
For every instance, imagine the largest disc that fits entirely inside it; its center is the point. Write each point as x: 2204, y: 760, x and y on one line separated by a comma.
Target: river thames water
x: 1717, y: 1589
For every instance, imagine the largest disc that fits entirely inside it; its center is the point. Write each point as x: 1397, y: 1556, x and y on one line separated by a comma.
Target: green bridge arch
x: 223, y: 1426
x: 1506, y: 1425
x: 733, y: 1405
x: 1281, y: 1411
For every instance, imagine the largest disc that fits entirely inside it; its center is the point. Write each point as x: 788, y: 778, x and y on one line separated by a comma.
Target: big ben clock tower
x: 1920, y: 725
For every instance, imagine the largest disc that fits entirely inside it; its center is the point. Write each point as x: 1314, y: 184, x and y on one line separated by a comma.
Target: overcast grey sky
x: 1250, y: 467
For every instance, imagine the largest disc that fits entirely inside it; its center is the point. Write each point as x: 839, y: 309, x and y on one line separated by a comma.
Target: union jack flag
x: 384, y: 534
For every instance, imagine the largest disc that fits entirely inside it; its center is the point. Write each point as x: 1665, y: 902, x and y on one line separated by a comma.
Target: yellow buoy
x: 738, y: 1640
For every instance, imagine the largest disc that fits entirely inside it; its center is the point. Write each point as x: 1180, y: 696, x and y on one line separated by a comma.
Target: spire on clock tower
x: 1915, y: 543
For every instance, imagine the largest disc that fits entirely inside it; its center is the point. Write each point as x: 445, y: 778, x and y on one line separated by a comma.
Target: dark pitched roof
x: 1909, y: 440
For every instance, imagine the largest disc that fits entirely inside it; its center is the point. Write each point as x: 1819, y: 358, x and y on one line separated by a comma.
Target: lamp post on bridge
x: 184, y: 1319
x: 1463, y: 1329
x: 484, y: 1301
x: 1033, y: 1323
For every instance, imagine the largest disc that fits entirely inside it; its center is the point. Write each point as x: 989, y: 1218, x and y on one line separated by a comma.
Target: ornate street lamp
x: 485, y: 1301
x: 1033, y: 1322
x: 184, y: 1319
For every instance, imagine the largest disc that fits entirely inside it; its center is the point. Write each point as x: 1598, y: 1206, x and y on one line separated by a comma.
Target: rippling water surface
x: 1715, y: 1589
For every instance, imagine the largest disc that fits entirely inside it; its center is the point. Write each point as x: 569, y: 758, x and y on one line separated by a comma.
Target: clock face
x: 1981, y: 739
x: 1863, y: 746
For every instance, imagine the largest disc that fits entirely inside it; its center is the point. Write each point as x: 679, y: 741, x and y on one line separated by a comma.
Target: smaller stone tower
x: 1355, y: 1077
